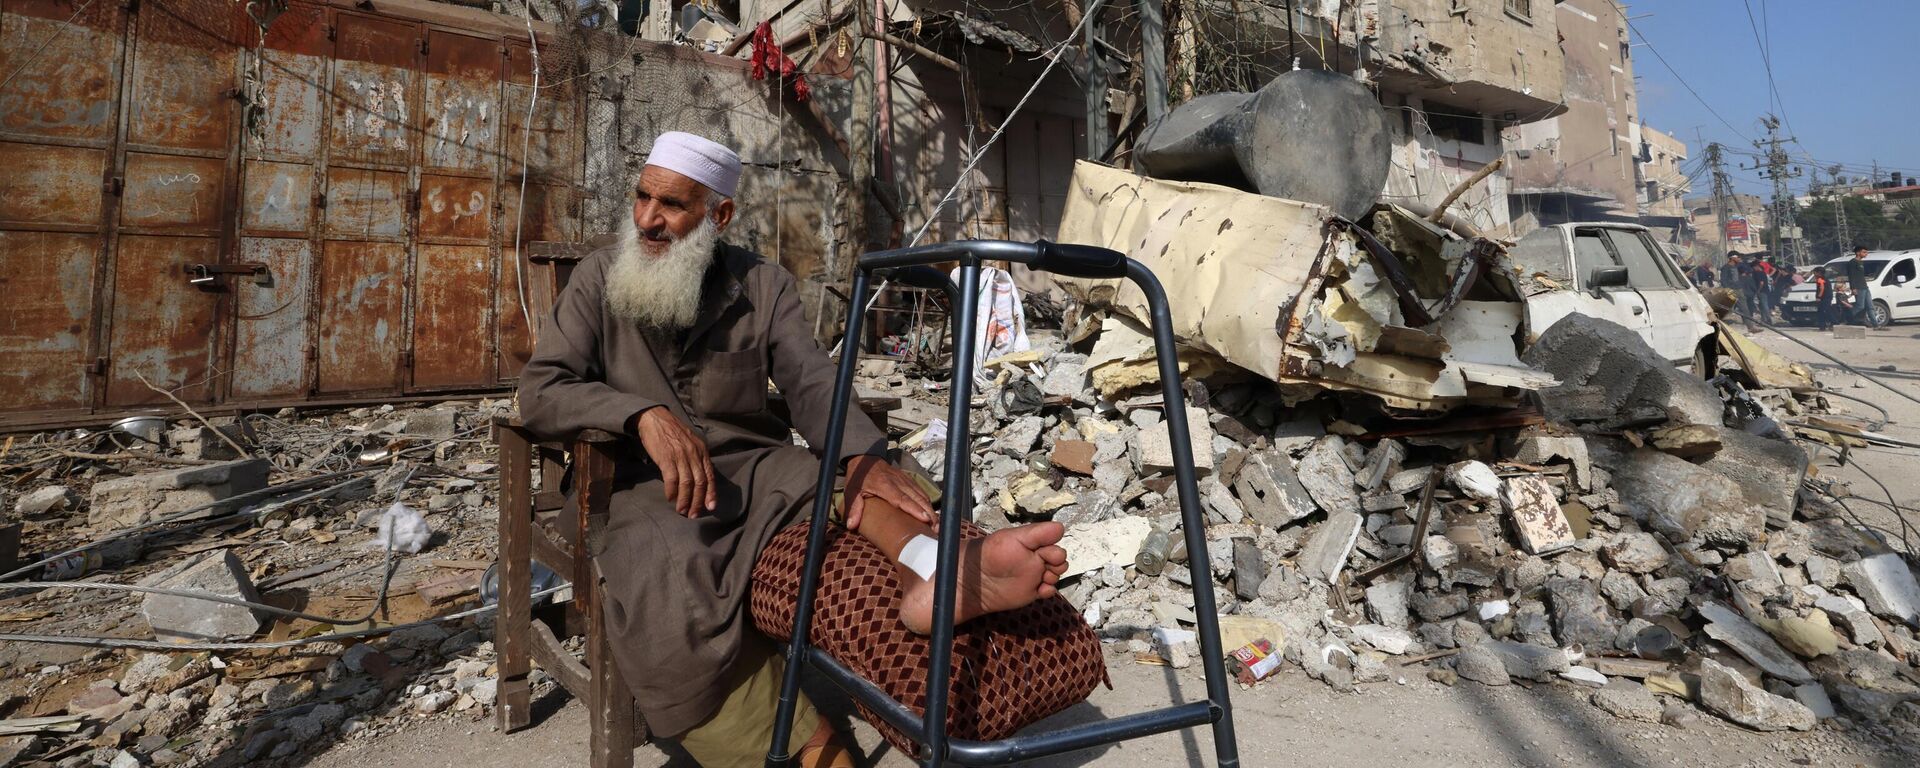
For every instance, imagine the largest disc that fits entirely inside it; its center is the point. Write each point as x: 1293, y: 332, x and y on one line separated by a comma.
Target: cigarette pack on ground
x: 1255, y: 661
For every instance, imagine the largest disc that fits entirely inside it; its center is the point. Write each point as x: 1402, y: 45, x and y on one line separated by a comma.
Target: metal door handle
x: 1639, y: 310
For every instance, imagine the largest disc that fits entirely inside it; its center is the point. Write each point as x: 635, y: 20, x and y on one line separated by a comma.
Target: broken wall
x: 1585, y: 153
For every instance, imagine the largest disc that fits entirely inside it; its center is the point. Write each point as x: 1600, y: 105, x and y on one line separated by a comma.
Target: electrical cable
x: 264, y: 493
x: 1837, y: 361
x: 1885, y: 418
x: 34, y: 58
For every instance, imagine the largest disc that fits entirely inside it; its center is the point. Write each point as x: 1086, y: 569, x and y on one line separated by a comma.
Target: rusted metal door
x: 173, y: 210
x: 459, y: 176
x: 539, y: 194
x: 58, y: 118
x: 281, y: 211
x: 374, y: 173
x: 363, y: 267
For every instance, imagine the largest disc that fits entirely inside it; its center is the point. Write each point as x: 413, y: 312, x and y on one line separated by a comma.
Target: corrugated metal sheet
x: 377, y: 182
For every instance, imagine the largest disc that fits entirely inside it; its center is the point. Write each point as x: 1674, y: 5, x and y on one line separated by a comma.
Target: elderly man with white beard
x: 670, y: 337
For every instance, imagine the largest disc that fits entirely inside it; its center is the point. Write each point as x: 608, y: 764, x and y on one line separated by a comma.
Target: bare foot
x: 1006, y: 569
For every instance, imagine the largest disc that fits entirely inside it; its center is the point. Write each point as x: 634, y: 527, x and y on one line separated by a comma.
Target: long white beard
x: 663, y: 293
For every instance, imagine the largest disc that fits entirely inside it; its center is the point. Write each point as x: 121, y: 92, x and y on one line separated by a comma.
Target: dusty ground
x: 1295, y: 721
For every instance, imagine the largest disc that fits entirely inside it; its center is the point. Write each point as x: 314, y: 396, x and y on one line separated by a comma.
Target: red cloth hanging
x: 767, y: 57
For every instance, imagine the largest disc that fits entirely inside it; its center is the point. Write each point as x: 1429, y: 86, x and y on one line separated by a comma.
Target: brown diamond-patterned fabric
x: 1010, y: 669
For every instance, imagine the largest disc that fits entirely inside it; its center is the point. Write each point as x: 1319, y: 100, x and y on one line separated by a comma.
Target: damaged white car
x: 1616, y: 272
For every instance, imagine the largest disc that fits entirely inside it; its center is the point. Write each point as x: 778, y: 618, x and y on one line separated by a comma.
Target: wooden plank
x: 511, y: 630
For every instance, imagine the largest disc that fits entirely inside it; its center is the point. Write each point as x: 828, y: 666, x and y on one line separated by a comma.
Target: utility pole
x: 1841, y: 233
x: 1716, y: 161
x: 1779, y: 168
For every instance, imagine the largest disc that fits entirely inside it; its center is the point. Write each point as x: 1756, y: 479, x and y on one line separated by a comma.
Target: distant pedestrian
x: 1823, y: 298
x: 1730, y: 272
x: 1702, y: 276
x: 1857, y: 282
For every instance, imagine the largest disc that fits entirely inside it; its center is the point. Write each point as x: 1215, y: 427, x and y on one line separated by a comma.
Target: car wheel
x: 1706, y: 359
x: 1882, y: 315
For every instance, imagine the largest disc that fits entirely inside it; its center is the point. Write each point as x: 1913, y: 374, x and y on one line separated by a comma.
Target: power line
x: 1676, y: 73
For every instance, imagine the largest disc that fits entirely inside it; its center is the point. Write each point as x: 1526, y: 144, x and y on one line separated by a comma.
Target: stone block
x: 1752, y: 643
x: 1388, y: 602
x: 1634, y: 552
x: 187, y: 619
x: 1580, y: 614
x: 1539, y: 450
x: 1768, y: 471
x: 129, y: 501
x: 1155, y: 444
x: 199, y: 442
x: 435, y: 423
x: 1887, y: 586
x: 1584, y: 351
x: 1326, y: 552
x: 1270, y: 492
x: 44, y: 500
x: 1537, y: 518
x: 1249, y: 569
x: 1681, y: 500
x: 1727, y: 693
x: 1628, y: 700
x: 1324, y: 472
x: 1074, y: 456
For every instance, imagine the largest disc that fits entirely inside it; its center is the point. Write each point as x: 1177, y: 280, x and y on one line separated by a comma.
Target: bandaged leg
x: 1005, y: 570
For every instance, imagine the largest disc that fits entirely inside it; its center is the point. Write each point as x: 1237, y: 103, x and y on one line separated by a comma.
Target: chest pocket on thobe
x: 731, y: 382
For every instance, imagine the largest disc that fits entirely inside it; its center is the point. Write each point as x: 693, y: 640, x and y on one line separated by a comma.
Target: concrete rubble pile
x: 1643, y: 540
x: 311, y: 548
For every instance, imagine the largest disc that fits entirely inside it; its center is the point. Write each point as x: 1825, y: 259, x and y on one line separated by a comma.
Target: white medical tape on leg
x: 921, y: 555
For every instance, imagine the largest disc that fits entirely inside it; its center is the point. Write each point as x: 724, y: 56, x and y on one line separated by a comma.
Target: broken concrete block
x: 1249, y: 569
x: 52, y: 498
x: 129, y: 501
x: 186, y: 619
x: 1474, y: 479
x: 1482, y: 665
x: 1584, y: 351
x: 1539, y: 449
x: 1017, y: 438
x: 1270, y: 492
x: 436, y: 423
x: 204, y: 444
x: 1326, y: 553
x: 1387, y: 601
x: 1752, y: 643
x: 1584, y: 676
x: 1814, y: 697
x: 1219, y: 501
x: 1634, y: 552
x: 1852, y: 619
x: 1066, y: 376
x: 1622, y: 591
x: 1628, y: 700
x: 1580, y: 614
x: 1531, y: 662
x: 1384, y: 639
x: 1074, y: 456
x: 1768, y: 471
x: 1092, y: 546
x: 1155, y: 444
x: 1536, y: 515
x: 1683, y: 501
x: 1380, y: 463
x: 1687, y: 441
x: 1753, y: 566
x: 1327, y: 478
x: 1887, y: 586
x: 1726, y: 693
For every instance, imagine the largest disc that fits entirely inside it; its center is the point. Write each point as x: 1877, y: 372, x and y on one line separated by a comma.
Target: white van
x: 1617, y: 272
x: 1892, y: 276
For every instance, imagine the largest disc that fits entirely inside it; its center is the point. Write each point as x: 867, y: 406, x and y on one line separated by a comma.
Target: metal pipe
x: 1019, y: 748
x: 1212, y: 656
x: 946, y: 581
x: 817, y: 535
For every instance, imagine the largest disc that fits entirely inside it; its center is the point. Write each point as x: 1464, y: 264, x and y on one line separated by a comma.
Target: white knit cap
x: 697, y: 158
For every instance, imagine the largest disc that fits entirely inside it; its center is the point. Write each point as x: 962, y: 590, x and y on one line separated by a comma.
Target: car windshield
x: 1874, y: 266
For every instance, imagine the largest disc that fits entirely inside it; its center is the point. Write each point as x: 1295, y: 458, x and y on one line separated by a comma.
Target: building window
x: 1520, y: 9
x: 1450, y: 123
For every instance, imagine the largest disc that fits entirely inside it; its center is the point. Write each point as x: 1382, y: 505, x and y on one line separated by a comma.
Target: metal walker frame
x: 911, y: 266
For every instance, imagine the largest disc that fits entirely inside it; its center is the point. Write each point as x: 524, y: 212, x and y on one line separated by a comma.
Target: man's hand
x: 686, y: 471
x: 872, y: 476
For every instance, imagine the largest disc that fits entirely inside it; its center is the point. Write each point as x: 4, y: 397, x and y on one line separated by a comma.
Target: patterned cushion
x: 1010, y: 669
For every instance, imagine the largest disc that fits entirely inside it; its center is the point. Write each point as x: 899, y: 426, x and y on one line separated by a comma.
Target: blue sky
x: 1848, y: 74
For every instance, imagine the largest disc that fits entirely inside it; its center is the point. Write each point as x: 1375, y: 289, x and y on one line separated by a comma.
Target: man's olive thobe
x: 677, y: 586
